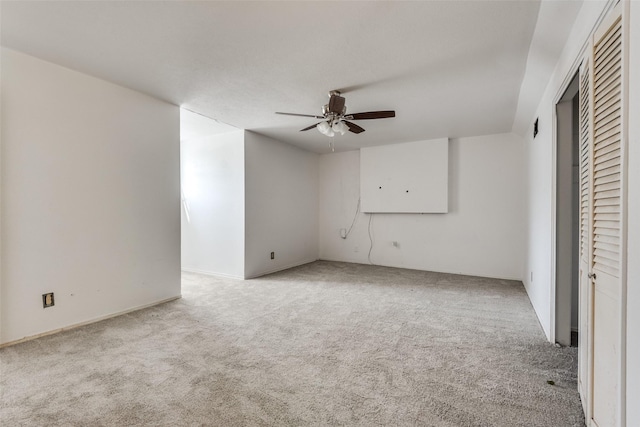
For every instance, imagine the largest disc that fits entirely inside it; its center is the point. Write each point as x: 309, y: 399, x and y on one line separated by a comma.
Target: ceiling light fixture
x: 325, y: 129
x: 340, y: 127
x: 330, y: 130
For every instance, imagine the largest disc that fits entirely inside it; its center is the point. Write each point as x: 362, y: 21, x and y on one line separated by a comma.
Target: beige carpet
x: 323, y: 344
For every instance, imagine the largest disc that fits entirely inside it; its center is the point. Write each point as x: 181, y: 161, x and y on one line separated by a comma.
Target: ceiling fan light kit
x: 335, y: 117
x: 325, y: 129
x: 339, y: 126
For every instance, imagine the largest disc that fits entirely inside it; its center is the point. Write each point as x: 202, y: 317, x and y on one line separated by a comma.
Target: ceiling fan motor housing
x: 336, y: 104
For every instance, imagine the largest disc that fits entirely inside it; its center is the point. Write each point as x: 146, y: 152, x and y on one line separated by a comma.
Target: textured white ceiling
x: 449, y: 69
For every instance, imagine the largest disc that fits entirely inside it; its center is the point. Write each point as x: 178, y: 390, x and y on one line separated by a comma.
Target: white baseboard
x: 88, y: 322
x: 419, y: 268
x: 286, y: 267
x: 211, y: 273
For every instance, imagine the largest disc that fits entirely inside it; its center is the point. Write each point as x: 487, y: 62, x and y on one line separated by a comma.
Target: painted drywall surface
x: 90, y: 197
x: 483, y: 233
x: 1, y: 133
x: 633, y: 250
x: 339, y: 206
x: 540, y: 166
x: 410, y: 177
x: 554, y: 23
x: 281, y: 205
x: 212, y: 184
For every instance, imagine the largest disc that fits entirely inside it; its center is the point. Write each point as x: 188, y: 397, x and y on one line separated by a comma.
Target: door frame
x: 624, y: 147
x: 563, y: 104
x: 575, y: 68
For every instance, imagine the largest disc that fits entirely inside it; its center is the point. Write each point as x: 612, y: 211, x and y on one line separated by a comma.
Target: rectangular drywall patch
x: 405, y: 178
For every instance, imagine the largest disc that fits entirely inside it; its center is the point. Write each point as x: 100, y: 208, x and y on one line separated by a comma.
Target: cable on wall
x: 355, y: 219
x: 370, y: 239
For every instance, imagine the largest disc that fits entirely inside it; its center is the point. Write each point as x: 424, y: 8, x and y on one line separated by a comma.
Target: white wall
x: 90, y: 197
x: 541, y: 164
x: 483, y: 233
x: 1, y: 201
x: 212, y: 175
x: 281, y: 205
x: 633, y: 253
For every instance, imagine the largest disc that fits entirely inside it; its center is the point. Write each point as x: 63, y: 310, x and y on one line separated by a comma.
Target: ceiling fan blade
x: 353, y: 127
x: 371, y: 115
x: 310, y: 127
x: 301, y: 115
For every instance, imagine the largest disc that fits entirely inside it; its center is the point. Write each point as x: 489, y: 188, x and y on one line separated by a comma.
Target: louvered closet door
x: 605, y: 232
x: 584, y: 341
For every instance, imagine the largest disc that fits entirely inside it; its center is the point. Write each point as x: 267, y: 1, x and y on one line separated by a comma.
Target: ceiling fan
x: 336, y: 120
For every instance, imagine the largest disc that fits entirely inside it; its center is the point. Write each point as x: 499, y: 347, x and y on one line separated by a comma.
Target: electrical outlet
x: 273, y: 255
x: 47, y: 300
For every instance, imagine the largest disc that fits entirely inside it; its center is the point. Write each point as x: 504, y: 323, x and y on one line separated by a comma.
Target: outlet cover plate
x: 47, y: 300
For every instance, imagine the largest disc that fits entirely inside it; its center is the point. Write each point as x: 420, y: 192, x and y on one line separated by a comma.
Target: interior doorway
x: 212, y: 196
x: 567, y: 216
